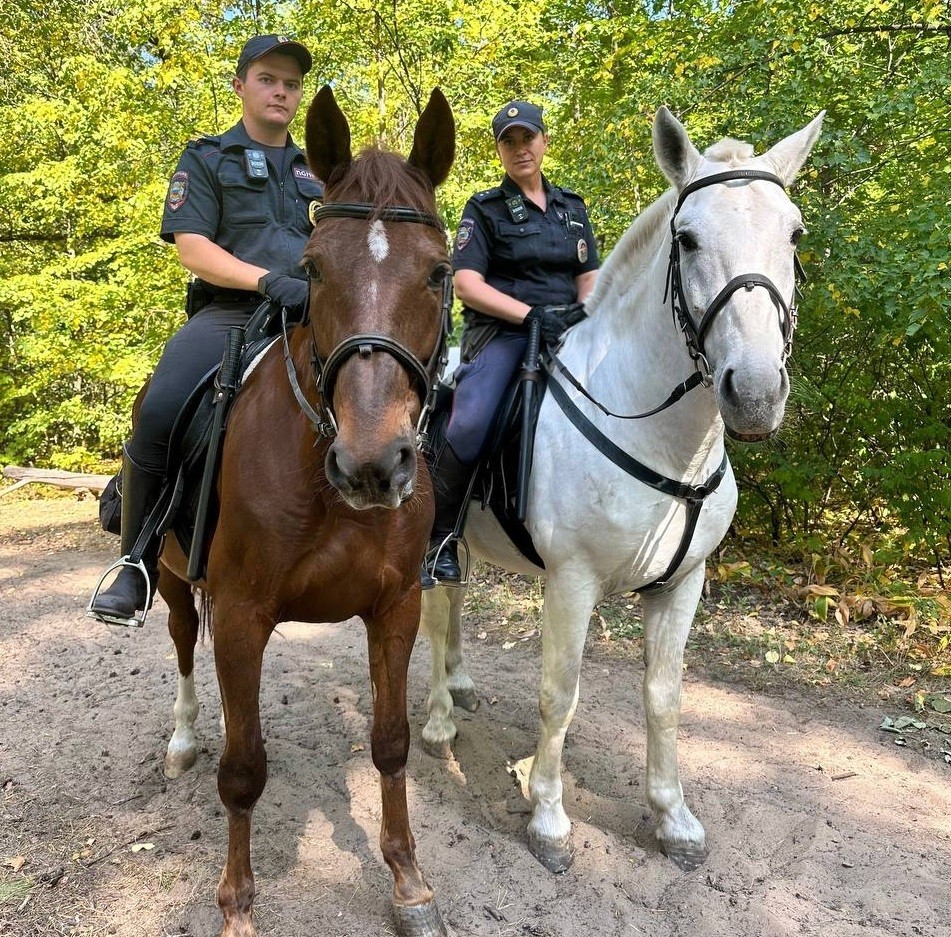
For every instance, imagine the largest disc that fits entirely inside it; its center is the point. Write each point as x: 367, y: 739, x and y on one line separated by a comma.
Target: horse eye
x: 686, y: 241
x: 797, y: 234
x: 312, y: 270
x: 438, y: 276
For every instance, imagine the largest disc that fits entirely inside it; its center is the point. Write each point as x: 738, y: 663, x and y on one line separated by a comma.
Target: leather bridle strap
x: 368, y: 212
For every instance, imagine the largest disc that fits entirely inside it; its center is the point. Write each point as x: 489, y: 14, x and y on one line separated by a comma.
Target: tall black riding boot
x: 451, y: 485
x: 126, y: 601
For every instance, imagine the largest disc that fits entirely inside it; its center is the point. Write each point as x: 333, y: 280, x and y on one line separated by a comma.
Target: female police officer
x: 522, y: 249
x: 237, y: 211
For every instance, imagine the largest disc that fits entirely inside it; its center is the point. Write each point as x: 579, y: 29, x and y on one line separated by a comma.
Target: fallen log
x: 24, y: 476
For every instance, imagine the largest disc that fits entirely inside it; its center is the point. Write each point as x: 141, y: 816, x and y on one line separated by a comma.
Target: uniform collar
x: 238, y: 137
x: 511, y: 189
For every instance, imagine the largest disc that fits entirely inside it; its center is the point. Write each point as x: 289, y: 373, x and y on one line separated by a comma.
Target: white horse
x: 720, y: 248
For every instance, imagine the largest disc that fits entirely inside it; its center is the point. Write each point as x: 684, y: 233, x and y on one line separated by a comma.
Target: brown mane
x: 382, y: 179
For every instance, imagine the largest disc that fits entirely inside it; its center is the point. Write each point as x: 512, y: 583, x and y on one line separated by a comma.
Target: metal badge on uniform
x: 255, y: 164
x: 517, y: 210
x: 178, y: 191
x: 582, y: 250
x: 464, y: 235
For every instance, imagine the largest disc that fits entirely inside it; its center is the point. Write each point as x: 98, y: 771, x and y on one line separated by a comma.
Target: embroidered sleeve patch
x: 177, y: 191
x: 464, y: 235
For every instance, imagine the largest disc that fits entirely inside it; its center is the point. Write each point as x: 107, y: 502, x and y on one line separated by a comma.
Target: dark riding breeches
x: 480, y: 387
x: 189, y: 354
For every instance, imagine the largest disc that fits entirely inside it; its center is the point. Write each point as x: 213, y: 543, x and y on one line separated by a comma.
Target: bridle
x: 694, y: 334
x: 692, y: 495
x: 426, y: 376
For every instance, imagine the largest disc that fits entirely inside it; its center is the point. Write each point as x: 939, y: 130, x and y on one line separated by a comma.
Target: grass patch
x: 13, y: 889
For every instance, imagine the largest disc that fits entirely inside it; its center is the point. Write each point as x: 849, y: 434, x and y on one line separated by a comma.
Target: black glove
x: 282, y: 290
x: 554, y: 321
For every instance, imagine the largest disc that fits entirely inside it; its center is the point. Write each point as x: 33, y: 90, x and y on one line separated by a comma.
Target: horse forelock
x: 382, y: 179
x: 729, y: 151
x: 634, y: 250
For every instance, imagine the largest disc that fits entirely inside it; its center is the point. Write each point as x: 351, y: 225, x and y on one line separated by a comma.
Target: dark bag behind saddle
x: 110, y: 506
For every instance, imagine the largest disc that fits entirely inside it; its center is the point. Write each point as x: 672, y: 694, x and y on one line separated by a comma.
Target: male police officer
x: 238, y: 211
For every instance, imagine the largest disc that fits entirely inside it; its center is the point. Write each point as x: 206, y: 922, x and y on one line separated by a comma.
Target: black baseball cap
x: 258, y: 46
x: 518, y: 114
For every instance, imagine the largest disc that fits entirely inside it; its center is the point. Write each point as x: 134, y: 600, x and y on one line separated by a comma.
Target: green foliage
x: 98, y: 100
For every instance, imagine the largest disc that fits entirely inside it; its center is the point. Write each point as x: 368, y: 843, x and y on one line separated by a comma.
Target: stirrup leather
x: 138, y: 619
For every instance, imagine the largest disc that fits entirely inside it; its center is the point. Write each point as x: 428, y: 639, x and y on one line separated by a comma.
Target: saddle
x: 497, y: 476
x: 188, y: 504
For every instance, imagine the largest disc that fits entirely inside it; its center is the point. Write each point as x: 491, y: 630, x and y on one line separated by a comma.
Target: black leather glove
x: 282, y: 290
x: 554, y: 321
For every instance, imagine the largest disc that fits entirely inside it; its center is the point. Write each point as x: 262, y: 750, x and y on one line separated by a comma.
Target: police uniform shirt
x: 536, y: 259
x: 217, y: 192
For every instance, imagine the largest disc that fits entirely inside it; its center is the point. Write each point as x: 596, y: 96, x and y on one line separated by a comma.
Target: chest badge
x: 582, y: 250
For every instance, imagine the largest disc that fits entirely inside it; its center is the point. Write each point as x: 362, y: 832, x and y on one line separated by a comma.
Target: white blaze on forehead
x: 377, y: 242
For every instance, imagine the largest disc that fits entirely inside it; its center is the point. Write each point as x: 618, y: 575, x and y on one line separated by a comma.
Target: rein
x: 426, y: 376
x: 692, y: 495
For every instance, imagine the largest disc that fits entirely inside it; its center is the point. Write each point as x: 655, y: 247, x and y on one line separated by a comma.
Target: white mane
x: 633, y: 251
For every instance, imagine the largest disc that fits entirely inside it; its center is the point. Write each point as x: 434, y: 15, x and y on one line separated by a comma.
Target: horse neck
x: 630, y: 355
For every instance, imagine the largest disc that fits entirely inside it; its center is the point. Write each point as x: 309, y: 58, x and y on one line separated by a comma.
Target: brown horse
x: 325, y: 504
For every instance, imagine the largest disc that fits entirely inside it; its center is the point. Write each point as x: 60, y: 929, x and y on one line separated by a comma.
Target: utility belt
x: 201, y: 294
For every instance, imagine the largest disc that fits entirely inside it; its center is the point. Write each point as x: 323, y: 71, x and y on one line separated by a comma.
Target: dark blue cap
x: 518, y: 114
x: 258, y: 46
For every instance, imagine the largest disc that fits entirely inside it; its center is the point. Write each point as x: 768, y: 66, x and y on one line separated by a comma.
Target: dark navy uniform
x: 261, y: 216
x: 531, y: 255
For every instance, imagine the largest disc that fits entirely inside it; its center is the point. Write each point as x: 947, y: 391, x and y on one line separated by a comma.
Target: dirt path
x: 819, y: 824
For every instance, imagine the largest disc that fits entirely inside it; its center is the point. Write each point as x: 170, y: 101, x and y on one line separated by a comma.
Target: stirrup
x: 429, y: 566
x: 138, y: 618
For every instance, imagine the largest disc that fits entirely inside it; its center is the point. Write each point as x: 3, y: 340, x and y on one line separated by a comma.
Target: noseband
x: 695, y: 334
x: 425, y: 376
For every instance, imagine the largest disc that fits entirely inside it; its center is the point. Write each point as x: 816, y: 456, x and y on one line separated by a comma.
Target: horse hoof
x: 177, y: 763
x: 556, y: 857
x: 465, y: 698
x: 438, y: 748
x: 419, y: 920
x: 686, y: 856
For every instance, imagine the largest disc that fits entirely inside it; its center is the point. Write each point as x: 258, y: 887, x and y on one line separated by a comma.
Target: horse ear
x: 327, y: 136
x: 788, y: 155
x: 434, y: 143
x: 676, y: 156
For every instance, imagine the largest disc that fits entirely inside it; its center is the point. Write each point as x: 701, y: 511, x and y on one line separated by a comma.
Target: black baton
x: 528, y: 377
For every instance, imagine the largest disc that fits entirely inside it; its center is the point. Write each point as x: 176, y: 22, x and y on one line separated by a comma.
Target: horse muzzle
x: 752, y: 400
x: 383, y: 481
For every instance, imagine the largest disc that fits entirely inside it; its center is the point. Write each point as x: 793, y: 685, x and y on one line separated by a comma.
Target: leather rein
x: 694, y: 335
x: 426, y: 376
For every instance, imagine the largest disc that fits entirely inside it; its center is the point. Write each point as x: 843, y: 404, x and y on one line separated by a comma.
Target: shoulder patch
x: 177, y: 191
x: 495, y: 192
x: 464, y: 235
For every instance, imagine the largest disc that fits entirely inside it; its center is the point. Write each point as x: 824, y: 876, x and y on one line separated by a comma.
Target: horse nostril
x: 726, y: 385
x: 332, y: 466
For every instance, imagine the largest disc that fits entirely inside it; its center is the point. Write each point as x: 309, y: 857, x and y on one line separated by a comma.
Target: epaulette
x: 202, y: 138
x: 571, y: 192
x: 495, y: 192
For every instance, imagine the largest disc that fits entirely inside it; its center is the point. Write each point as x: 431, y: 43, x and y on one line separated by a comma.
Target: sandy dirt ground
x: 819, y: 824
